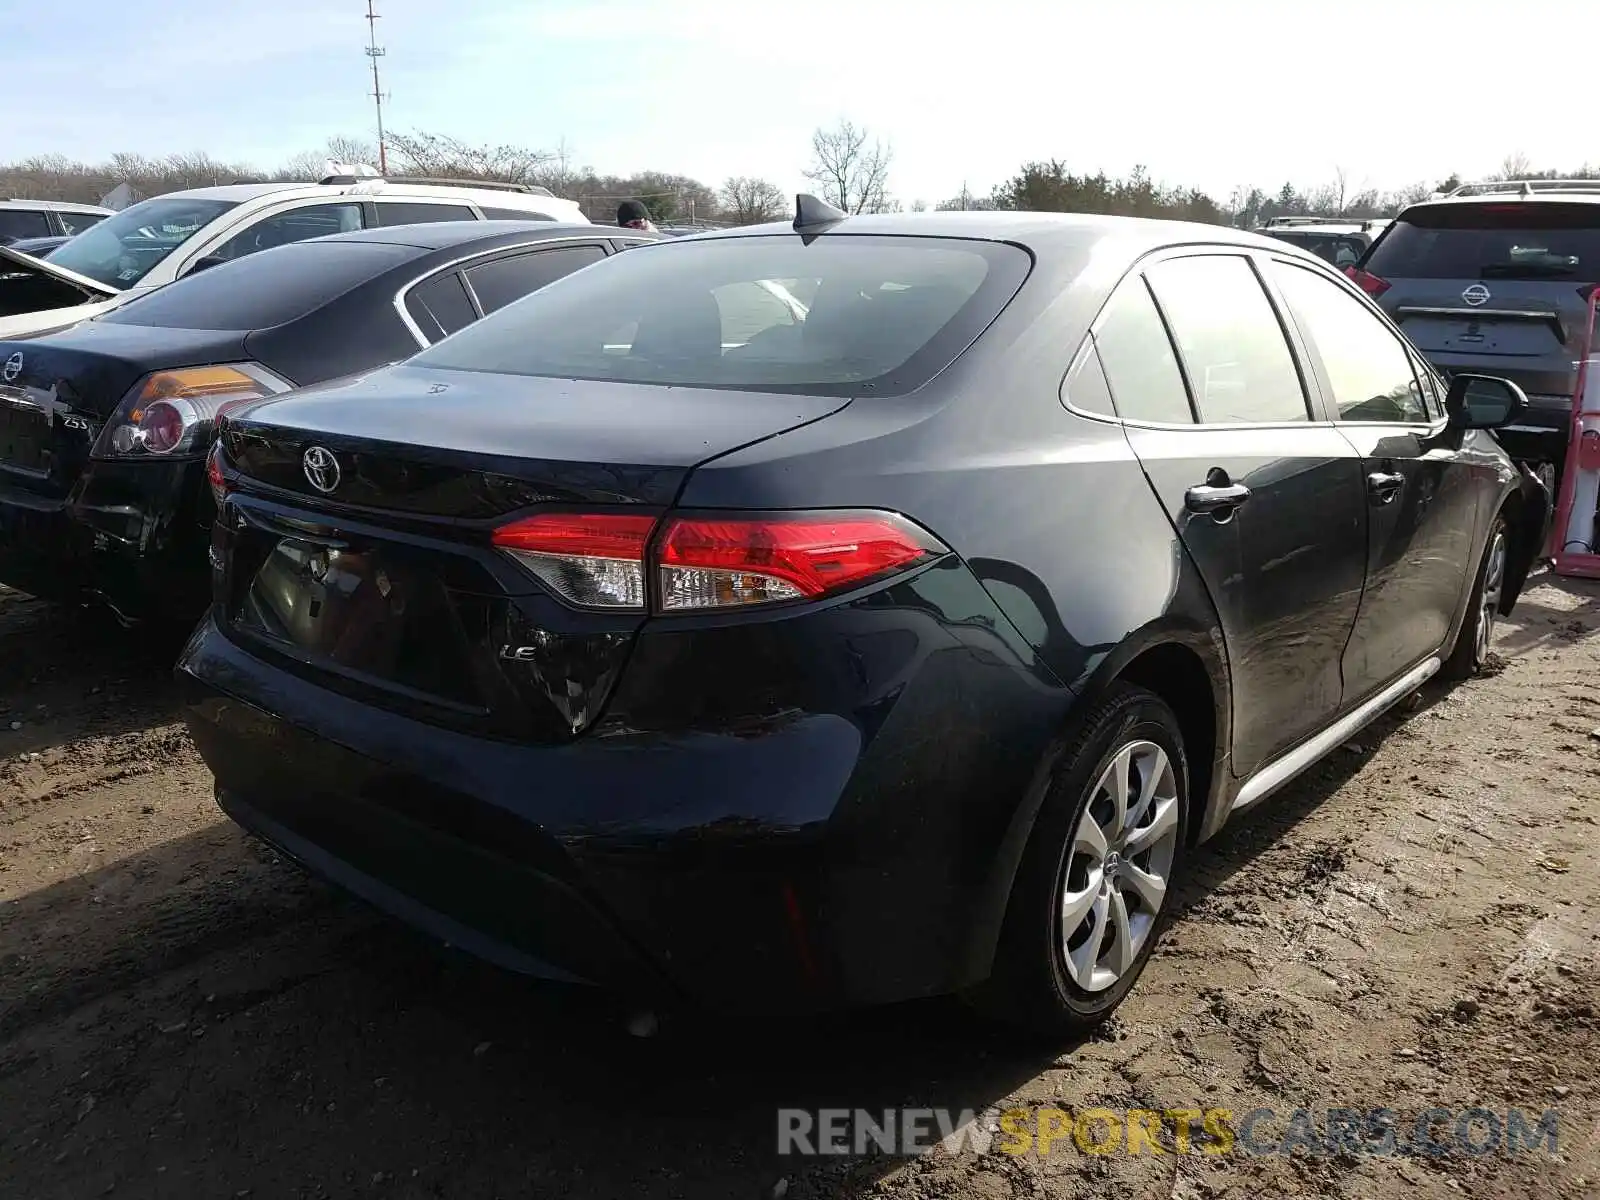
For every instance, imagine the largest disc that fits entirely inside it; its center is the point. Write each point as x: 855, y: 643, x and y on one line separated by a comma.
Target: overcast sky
x: 1204, y: 94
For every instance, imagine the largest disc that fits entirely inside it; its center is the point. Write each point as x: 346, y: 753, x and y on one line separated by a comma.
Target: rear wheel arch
x: 1178, y: 674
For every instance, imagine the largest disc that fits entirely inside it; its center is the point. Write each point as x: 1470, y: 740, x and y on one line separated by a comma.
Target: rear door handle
x: 1209, y: 498
x: 1385, y: 485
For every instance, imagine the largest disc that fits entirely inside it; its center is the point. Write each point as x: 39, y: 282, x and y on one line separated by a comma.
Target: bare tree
x: 1516, y: 165
x: 747, y: 200
x: 853, y: 174
x: 440, y: 154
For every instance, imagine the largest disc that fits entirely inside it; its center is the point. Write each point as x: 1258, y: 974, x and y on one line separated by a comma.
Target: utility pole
x: 375, y: 52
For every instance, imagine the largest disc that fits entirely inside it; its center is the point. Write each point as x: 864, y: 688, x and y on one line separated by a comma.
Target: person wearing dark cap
x: 631, y: 214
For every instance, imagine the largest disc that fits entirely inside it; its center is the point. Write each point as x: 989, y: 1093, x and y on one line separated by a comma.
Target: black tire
x: 1471, y: 649
x: 1031, y: 986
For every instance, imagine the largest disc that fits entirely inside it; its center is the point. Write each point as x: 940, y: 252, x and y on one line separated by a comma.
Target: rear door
x: 1421, y: 492
x: 1267, y: 500
x: 1496, y: 286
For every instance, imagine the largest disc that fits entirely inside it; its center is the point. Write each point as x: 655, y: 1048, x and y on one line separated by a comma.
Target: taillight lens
x: 214, y: 476
x: 590, y: 560
x: 1367, y: 282
x: 729, y: 562
x: 599, y: 561
x: 172, y: 412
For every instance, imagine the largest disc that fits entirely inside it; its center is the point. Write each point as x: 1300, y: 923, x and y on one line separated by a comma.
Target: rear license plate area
x: 24, y: 436
x: 360, y: 611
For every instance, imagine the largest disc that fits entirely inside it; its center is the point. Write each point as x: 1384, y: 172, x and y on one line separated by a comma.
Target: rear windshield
x: 843, y: 316
x: 122, y: 250
x: 261, y: 290
x: 1515, y: 240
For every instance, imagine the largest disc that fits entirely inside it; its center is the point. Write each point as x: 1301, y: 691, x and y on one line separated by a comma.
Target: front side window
x: 1233, y: 347
x: 293, y: 225
x: 22, y: 223
x: 1137, y: 356
x: 1367, y: 366
x: 122, y: 249
x: 847, y: 315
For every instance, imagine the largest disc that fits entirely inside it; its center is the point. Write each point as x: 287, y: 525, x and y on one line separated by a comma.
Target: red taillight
x: 214, y: 476
x: 599, y: 560
x: 725, y: 562
x: 1368, y: 282
x: 593, y: 560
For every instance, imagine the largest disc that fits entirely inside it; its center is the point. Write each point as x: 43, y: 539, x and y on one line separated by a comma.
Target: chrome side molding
x: 1280, y: 771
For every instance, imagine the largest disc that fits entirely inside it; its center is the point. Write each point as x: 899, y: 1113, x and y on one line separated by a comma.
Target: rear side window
x: 498, y: 283
x: 514, y: 214
x: 1232, y: 345
x: 884, y: 315
x: 394, y: 212
x: 440, y: 306
x: 1513, y: 240
x: 23, y: 222
x: 262, y: 290
x: 1137, y: 356
x: 1368, y: 368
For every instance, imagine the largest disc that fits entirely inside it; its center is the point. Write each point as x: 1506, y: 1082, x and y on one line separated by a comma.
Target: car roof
x: 1038, y: 231
x: 53, y: 205
x: 440, y: 235
x: 369, y: 187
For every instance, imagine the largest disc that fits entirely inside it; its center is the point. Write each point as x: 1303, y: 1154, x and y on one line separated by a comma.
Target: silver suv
x: 1495, y: 278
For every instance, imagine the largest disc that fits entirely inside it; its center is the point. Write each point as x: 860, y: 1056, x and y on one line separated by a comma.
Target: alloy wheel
x: 1118, y: 865
x: 1494, y: 575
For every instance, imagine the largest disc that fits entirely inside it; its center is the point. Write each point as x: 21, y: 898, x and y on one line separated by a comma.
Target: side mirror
x: 1483, y: 402
x: 206, y: 263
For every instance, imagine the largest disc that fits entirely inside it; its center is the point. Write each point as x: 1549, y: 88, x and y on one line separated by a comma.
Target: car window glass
x: 884, y: 315
x: 23, y: 222
x: 440, y: 306
x: 514, y: 214
x: 1367, y: 366
x: 77, y: 222
x: 498, y: 283
x: 1518, y: 239
x: 1086, y: 388
x: 294, y: 225
x: 1137, y: 358
x: 1433, y: 389
x: 122, y: 249
x: 1232, y: 345
x: 395, y: 212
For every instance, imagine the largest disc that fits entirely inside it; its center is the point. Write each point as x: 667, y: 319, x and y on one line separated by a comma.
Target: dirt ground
x: 1416, y: 923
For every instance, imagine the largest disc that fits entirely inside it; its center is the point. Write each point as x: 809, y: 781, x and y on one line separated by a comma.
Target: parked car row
x: 810, y: 614
x: 30, y: 219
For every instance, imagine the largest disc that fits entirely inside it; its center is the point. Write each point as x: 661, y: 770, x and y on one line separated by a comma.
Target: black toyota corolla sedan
x: 104, y: 427
x: 828, y: 614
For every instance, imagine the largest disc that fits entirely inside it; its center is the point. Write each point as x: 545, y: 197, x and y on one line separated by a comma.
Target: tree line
x: 849, y: 166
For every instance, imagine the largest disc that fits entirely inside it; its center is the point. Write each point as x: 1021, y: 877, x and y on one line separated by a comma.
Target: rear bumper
x: 131, y: 535
x: 816, y: 863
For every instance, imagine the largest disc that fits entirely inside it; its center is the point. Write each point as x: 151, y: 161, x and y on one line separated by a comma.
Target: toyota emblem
x: 321, y: 468
x: 1476, y: 294
x: 13, y: 367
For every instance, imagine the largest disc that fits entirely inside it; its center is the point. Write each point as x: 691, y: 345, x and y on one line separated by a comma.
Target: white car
x: 164, y: 238
x: 24, y: 219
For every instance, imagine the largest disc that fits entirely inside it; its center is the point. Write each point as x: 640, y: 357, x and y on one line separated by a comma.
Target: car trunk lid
x: 357, y: 549
x: 57, y: 392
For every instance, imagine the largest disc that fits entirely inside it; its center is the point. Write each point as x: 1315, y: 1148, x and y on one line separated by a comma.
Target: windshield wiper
x: 1526, y: 270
